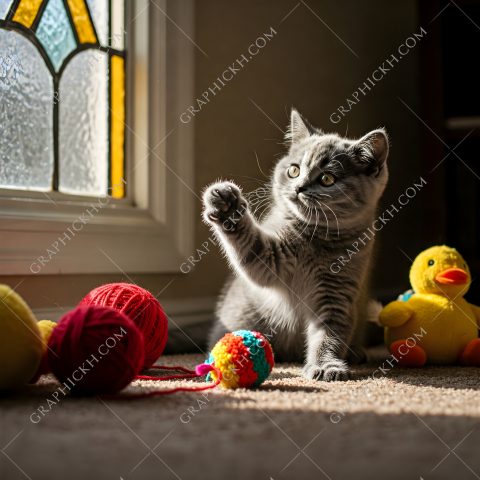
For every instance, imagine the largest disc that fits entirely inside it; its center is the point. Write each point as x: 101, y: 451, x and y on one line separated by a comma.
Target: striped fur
x: 283, y: 283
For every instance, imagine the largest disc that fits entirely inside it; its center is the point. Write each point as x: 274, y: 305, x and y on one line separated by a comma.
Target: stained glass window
x: 62, y: 95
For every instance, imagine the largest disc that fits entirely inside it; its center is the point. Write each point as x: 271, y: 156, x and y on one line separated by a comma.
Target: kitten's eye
x: 431, y: 262
x: 293, y: 171
x: 327, y: 179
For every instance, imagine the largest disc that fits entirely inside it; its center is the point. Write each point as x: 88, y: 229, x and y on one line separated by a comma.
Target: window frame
x: 122, y: 236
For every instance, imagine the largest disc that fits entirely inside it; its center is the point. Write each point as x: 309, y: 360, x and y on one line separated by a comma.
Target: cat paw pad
x: 224, y: 205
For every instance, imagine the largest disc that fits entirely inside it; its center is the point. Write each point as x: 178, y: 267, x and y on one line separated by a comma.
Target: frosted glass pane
x: 55, y: 33
x: 99, y: 13
x: 26, y: 116
x: 83, y: 128
x: 118, y: 24
x: 4, y: 7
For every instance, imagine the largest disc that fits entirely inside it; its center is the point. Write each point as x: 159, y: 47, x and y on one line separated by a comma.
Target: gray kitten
x: 324, y: 198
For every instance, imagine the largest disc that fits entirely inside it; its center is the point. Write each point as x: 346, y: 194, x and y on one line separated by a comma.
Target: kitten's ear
x: 299, y: 128
x: 372, y: 149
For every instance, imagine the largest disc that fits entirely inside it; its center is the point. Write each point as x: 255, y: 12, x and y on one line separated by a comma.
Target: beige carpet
x: 410, y: 423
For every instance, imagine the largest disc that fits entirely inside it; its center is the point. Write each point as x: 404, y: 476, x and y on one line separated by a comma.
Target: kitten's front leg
x: 262, y: 258
x: 327, y: 345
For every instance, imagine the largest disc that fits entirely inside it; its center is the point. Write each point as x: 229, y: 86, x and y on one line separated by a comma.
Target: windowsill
x: 52, y: 196
x: 44, y: 211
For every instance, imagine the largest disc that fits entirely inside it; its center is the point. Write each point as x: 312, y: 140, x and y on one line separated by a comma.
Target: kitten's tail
x: 374, y: 308
x: 369, y: 334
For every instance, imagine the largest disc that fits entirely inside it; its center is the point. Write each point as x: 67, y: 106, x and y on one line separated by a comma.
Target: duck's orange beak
x: 452, y: 276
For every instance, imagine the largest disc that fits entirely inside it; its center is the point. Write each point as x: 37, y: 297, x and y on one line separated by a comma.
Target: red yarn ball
x: 142, y: 307
x: 95, y: 350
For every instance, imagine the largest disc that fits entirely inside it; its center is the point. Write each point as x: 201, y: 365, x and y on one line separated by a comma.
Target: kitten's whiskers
x: 326, y: 218
x: 246, y: 176
x: 316, y: 223
x: 307, y: 223
x: 258, y: 163
x: 338, y: 228
x: 261, y: 204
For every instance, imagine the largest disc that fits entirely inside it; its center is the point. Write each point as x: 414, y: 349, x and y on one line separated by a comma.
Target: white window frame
x: 122, y: 236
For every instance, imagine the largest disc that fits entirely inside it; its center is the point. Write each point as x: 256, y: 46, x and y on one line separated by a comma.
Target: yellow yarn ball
x: 46, y: 328
x: 21, y: 345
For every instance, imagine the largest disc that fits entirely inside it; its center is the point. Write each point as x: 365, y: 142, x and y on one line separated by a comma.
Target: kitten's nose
x: 300, y: 189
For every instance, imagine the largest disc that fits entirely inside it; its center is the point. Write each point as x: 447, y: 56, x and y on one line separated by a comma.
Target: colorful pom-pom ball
x: 95, y: 350
x: 245, y: 359
x: 142, y: 307
x: 21, y: 344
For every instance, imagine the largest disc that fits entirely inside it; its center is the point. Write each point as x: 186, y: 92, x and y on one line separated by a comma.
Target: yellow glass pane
x: 82, y: 22
x: 118, y: 125
x: 26, y: 12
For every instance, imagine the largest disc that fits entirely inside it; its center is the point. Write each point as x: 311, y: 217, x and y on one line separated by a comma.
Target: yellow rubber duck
x: 436, y: 325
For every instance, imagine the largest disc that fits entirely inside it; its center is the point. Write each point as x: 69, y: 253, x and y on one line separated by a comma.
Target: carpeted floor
x: 412, y: 424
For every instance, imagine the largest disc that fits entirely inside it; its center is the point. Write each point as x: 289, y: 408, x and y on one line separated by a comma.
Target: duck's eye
x: 293, y: 171
x: 464, y: 267
x: 431, y: 262
x: 327, y: 179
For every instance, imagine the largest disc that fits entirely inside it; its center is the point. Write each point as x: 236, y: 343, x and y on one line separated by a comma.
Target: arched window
x: 91, y: 94
x: 62, y: 95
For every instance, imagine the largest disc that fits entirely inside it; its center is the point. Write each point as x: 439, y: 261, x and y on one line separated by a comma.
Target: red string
x: 147, y: 377
x: 173, y: 368
x: 164, y: 392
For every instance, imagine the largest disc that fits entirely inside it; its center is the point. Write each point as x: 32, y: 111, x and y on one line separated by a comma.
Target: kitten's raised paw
x: 333, y: 371
x: 224, y: 205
